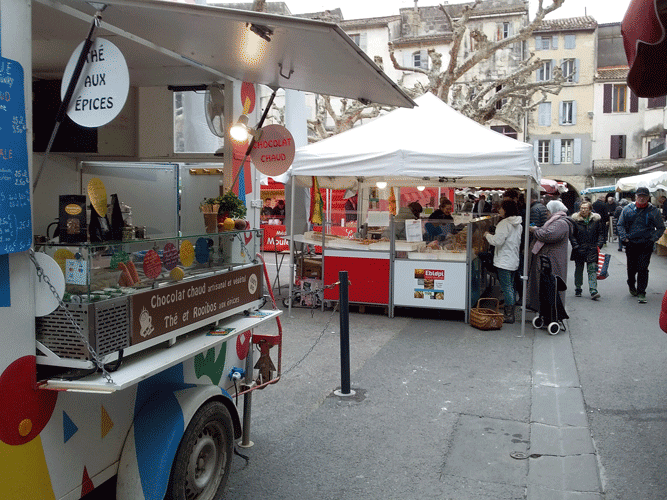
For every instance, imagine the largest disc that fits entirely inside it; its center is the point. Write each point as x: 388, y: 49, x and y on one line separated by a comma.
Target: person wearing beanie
x: 639, y: 227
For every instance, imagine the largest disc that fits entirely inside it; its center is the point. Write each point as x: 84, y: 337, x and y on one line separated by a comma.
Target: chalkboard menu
x: 15, y: 223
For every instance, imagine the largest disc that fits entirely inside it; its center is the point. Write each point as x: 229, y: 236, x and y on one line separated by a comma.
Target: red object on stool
x: 663, y: 314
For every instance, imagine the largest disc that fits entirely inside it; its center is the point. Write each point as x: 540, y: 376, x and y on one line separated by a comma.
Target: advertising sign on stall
x: 273, y: 153
x: 103, y: 85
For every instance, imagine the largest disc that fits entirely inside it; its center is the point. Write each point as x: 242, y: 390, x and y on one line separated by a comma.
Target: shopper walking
x: 617, y: 215
x: 551, y: 241
x: 587, y: 237
x: 507, y: 239
x: 639, y: 227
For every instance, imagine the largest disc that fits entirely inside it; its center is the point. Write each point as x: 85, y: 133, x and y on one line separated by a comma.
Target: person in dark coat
x: 587, y: 237
x: 617, y: 215
x: 600, y: 207
x: 538, y: 212
x: 639, y: 227
x: 482, y: 207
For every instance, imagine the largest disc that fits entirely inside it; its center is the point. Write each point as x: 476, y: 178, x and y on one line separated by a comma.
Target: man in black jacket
x: 639, y: 227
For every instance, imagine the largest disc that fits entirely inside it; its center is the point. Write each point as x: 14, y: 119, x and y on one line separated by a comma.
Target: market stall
x: 431, y: 145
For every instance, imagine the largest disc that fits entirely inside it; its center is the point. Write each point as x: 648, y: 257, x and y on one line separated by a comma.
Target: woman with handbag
x: 588, y: 236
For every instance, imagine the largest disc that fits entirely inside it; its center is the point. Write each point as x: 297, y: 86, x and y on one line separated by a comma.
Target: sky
x: 603, y: 11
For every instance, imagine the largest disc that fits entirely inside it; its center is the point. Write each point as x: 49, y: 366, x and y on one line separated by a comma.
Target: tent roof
x: 170, y: 43
x: 430, y: 144
x: 651, y: 180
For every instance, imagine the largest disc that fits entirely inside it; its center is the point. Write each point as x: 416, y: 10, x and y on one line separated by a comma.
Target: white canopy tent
x: 431, y: 144
x: 652, y: 180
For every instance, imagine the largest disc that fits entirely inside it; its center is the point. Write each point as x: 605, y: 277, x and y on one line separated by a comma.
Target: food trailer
x: 431, y: 145
x: 124, y: 359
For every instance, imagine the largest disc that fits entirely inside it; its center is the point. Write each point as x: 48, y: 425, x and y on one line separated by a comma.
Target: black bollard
x: 344, y: 335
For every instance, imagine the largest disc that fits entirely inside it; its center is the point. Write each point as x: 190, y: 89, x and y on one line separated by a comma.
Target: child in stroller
x: 551, y: 310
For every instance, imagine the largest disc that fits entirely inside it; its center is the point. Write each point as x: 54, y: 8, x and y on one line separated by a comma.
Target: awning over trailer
x: 169, y: 43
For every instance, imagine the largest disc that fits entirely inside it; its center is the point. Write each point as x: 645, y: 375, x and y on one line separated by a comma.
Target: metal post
x: 344, y: 337
x: 247, y: 401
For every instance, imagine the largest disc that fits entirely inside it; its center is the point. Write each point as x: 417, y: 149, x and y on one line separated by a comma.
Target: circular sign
x: 45, y: 301
x: 98, y: 196
x: 187, y: 253
x: 103, y: 85
x: 152, y: 264
x: 73, y: 209
x: 201, y: 250
x: 170, y: 256
x: 273, y: 152
x: 253, y: 282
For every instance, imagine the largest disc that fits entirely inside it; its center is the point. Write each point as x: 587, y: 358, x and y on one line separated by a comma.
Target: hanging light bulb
x: 239, y: 132
x: 421, y: 188
x: 381, y: 184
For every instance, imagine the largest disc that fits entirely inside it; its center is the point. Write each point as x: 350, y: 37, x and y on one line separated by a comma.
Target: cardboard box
x: 310, y: 268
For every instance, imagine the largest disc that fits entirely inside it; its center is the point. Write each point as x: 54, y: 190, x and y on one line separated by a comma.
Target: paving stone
x: 539, y: 493
x: 553, y: 362
x: 558, y: 406
x: 560, y: 441
x: 575, y: 473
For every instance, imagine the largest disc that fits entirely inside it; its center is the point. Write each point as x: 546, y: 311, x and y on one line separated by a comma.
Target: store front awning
x: 645, y: 41
x: 169, y: 43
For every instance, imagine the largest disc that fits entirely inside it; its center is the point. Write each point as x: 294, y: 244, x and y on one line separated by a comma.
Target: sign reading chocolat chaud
x: 166, y: 309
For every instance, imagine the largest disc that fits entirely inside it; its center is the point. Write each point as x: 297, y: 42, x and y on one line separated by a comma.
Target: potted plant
x: 210, y: 205
x: 231, y: 206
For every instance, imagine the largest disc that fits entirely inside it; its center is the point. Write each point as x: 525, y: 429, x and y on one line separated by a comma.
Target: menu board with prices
x: 15, y: 217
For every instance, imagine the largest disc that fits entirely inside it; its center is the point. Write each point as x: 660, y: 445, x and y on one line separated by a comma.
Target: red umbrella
x: 643, y: 30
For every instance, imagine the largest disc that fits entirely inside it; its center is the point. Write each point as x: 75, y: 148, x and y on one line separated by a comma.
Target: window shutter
x: 423, y: 59
x: 511, y: 29
x: 569, y: 41
x: 621, y: 147
x: 499, y: 31
x: 576, y: 156
x: 556, y: 152
x: 656, y: 102
x: 606, y: 102
x: 634, y: 102
x: 553, y: 66
x: 536, y: 149
x: 554, y: 42
x: 574, y: 112
x: 538, y: 43
x: 542, y: 115
x: 561, y: 113
x: 363, y: 41
x: 408, y: 61
x: 613, y: 151
x: 576, y: 71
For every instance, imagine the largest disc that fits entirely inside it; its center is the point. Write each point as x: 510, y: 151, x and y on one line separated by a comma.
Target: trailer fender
x: 154, y: 437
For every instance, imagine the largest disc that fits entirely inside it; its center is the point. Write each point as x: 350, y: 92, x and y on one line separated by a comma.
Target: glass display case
x: 125, y: 296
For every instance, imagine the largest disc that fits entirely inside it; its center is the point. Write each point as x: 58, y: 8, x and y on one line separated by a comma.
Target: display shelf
x: 160, y: 357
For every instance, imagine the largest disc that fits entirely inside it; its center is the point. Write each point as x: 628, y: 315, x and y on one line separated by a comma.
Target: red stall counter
x: 368, y: 273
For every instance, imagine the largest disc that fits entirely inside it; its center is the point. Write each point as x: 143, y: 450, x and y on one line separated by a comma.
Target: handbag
x: 603, y: 265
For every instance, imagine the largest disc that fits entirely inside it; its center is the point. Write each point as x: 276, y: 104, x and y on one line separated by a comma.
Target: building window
x: 505, y: 130
x: 504, y: 30
x: 544, y: 73
x: 356, y: 38
x: 570, y: 41
x: 545, y: 43
x: 656, y: 102
x: 566, y: 150
x: 617, y: 147
x: 567, y: 113
x: 569, y: 68
x: 420, y: 59
x: 500, y: 102
x: 655, y: 145
x: 619, y: 98
x: 543, y: 151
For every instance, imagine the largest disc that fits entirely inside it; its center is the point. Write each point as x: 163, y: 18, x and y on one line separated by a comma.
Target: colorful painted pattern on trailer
x: 63, y: 444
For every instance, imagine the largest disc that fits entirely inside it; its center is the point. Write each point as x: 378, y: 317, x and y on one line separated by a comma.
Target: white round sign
x: 102, y: 89
x: 45, y: 301
x: 273, y: 153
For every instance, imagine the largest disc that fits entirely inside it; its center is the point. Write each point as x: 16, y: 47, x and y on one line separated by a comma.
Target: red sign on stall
x: 274, y: 238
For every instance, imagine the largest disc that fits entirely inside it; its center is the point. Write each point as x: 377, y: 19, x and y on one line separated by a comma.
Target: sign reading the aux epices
x: 103, y: 86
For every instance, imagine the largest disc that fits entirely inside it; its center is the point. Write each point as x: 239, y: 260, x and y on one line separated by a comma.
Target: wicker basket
x: 486, y: 319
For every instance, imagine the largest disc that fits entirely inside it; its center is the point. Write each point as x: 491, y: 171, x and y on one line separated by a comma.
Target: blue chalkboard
x: 15, y: 223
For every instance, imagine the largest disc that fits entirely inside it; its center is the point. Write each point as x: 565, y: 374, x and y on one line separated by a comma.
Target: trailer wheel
x: 204, y: 457
x: 538, y: 322
x: 553, y: 328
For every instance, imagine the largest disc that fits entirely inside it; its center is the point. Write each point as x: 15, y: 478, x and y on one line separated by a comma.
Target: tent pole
x: 526, y: 253
x: 291, y: 248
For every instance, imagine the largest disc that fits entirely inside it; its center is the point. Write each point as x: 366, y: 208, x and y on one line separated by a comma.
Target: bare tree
x: 508, y: 98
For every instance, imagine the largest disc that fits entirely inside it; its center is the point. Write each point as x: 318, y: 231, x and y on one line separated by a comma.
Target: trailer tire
x: 204, y: 456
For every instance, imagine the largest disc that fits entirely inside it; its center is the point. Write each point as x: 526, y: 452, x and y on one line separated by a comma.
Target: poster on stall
x: 430, y: 284
x: 15, y: 218
x: 413, y: 230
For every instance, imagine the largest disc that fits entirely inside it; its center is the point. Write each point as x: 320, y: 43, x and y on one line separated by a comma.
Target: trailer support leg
x: 247, y: 401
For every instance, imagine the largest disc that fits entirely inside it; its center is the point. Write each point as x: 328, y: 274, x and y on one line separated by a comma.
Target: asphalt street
x: 445, y: 411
